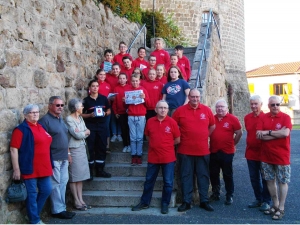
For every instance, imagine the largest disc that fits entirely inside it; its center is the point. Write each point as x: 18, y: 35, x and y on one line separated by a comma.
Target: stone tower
x: 230, y: 15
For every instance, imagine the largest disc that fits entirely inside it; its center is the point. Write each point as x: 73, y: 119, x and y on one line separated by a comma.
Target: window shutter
x: 271, y: 89
x: 290, y: 90
x: 251, y: 88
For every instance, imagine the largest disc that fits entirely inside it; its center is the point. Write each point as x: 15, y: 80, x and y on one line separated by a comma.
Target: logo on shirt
x: 107, y: 87
x: 278, y: 126
x: 202, y: 116
x: 182, y: 64
x: 173, y: 89
x: 162, y: 54
x: 226, y: 125
x: 47, y: 134
x: 168, y: 129
x: 155, y: 87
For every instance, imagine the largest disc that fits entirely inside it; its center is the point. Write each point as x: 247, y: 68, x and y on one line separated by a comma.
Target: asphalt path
x: 237, y: 213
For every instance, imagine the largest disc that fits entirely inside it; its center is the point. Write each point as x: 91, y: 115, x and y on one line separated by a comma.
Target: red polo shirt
x: 253, y: 144
x: 194, y: 124
x: 161, y: 142
x: 275, y: 151
x: 222, y: 137
x: 104, y: 88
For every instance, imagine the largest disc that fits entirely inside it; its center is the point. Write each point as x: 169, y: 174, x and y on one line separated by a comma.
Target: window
x: 281, y: 89
x: 251, y: 88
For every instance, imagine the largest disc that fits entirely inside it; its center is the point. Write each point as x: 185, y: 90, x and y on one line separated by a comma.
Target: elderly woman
x: 31, y: 161
x: 79, y: 168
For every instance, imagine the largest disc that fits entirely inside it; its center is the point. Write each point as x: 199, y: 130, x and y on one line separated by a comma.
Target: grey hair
x: 221, y: 100
x: 275, y: 97
x: 53, y: 98
x: 27, y: 109
x: 73, y: 104
x: 161, y: 101
x: 194, y: 89
x: 255, y: 98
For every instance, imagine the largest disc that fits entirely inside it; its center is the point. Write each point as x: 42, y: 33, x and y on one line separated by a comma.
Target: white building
x: 278, y: 79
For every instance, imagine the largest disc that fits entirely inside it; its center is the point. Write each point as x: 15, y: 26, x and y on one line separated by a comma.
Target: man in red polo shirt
x: 222, y: 147
x: 253, y: 148
x: 162, y: 133
x: 196, y: 122
x: 274, y: 130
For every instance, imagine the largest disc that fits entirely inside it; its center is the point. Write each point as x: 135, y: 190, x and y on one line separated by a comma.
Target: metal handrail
x: 211, y: 19
x: 143, y: 27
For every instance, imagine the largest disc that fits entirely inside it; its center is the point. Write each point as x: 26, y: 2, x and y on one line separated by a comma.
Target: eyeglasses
x: 59, y: 105
x: 194, y: 96
x: 277, y: 104
x: 37, y: 112
x: 161, y: 108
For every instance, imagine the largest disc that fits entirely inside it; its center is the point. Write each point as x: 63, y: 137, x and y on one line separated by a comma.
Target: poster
x: 133, y: 97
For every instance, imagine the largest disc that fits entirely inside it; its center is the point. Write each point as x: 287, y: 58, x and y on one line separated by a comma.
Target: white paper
x: 133, y: 97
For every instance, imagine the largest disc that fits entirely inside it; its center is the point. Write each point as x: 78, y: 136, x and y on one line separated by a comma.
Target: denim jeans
x: 38, y: 190
x: 188, y: 166
x: 259, y: 184
x: 114, y: 124
x: 107, y: 122
x: 218, y: 161
x: 136, y: 128
x: 59, y: 181
x: 151, y: 175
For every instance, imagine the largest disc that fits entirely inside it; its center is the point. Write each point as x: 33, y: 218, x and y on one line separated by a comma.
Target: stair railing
x: 136, y: 36
x: 211, y: 21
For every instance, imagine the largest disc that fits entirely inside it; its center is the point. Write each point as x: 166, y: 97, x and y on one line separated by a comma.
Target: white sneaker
x: 125, y: 149
x: 40, y: 222
x: 119, y: 138
x: 128, y: 148
x: 114, y: 138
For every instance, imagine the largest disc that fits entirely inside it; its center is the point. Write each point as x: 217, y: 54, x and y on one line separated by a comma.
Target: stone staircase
x: 125, y: 187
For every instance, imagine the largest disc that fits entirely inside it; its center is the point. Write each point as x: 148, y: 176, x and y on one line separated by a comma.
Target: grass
x: 296, y: 127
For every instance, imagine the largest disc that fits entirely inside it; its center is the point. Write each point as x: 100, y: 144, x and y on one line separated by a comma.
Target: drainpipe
x: 230, y: 98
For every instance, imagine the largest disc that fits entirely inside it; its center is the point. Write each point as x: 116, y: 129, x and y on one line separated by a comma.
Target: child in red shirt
x: 152, y: 65
x: 161, y: 74
x: 104, y: 87
x: 140, y: 62
x: 108, y: 62
x: 127, y: 68
x: 119, y: 57
x: 162, y: 56
x: 174, y: 62
x: 183, y: 61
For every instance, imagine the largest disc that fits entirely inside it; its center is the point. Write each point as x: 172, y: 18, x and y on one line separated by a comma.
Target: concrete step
x: 120, y: 184
x: 118, y: 146
x: 123, y: 157
x: 122, y: 198
x: 126, y: 170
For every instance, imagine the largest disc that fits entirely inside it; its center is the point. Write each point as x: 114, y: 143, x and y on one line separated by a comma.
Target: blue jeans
x: 36, y: 198
x: 151, y: 175
x: 259, y: 184
x: 136, y: 129
x: 115, y: 124
x: 218, y: 161
x: 59, y: 181
x: 107, y: 122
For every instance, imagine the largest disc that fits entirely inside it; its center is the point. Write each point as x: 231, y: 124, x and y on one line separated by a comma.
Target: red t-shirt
x: 140, y: 63
x: 163, y: 80
x: 222, y: 137
x: 104, y: 88
x: 193, y: 125
x: 184, y: 62
x: 41, y: 160
x: 118, y: 104
x: 119, y: 58
x: 275, y: 151
x: 154, y: 90
x: 253, y: 144
x: 161, y: 142
x: 112, y: 80
x: 162, y: 57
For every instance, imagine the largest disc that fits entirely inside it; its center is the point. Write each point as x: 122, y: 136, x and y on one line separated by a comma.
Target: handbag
x: 16, y: 192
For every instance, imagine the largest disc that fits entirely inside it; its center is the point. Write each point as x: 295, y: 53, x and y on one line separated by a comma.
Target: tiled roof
x: 275, y: 69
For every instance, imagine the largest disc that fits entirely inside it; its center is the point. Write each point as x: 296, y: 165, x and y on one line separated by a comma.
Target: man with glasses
x: 196, y: 123
x: 55, y: 126
x: 274, y: 130
x: 223, y: 140
x: 162, y: 133
x: 252, y: 154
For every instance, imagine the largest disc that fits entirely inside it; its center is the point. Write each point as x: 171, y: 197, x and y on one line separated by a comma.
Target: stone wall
x: 49, y: 48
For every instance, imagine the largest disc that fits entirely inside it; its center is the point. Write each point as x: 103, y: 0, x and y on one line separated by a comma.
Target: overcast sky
x: 272, y: 32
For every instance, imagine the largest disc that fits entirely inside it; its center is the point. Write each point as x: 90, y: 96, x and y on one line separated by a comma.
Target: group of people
x: 47, y: 152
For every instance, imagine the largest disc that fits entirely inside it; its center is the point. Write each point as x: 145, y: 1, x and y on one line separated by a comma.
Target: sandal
x: 80, y: 207
x: 278, y: 215
x: 271, y: 211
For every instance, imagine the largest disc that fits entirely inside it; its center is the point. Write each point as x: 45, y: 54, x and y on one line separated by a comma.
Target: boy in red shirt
x: 162, y: 56
x: 174, y: 62
x: 108, y: 62
x: 183, y: 61
x: 136, y: 120
x: 127, y: 68
x: 119, y: 57
x: 152, y: 65
x: 140, y: 62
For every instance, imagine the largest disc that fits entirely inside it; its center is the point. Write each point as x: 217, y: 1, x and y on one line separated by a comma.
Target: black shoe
x: 206, y: 206
x: 185, y: 206
x: 139, y: 207
x: 164, y: 209
x: 214, y: 197
x: 229, y: 200
x: 254, y: 204
x: 103, y: 174
x: 64, y: 215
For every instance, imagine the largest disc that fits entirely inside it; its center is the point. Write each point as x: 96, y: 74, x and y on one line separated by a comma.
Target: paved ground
x: 238, y: 212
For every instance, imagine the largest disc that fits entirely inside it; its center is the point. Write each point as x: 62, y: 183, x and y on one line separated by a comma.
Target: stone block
x: 72, y: 27
x: 70, y: 93
x: 8, y: 78
x: 56, y: 80
x: 24, y: 77
x: 4, y: 144
x: 8, y: 119
x: 13, y: 58
x: 2, y: 99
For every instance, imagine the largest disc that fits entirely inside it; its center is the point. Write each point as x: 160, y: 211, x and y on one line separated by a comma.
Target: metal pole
x: 153, y: 19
